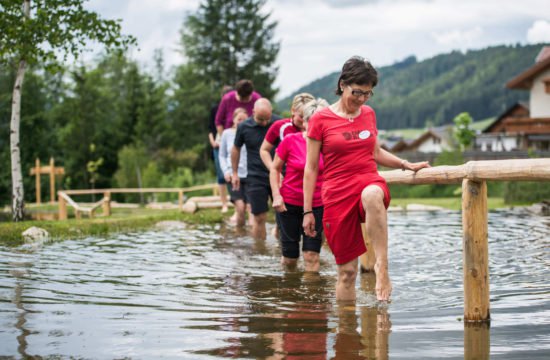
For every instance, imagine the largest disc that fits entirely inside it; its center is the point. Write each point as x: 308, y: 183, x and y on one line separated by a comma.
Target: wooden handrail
x: 141, y: 190
x: 488, y: 170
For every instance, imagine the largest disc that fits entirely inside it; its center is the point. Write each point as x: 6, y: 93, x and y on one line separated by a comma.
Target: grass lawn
x: 454, y: 203
x: 131, y: 219
x: 120, y: 220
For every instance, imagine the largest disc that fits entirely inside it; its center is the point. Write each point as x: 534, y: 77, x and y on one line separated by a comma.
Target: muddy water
x: 213, y: 292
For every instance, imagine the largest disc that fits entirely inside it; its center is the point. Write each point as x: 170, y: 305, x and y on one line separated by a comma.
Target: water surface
x: 211, y: 292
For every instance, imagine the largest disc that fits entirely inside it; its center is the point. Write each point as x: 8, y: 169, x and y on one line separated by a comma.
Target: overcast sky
x: 318, y: 36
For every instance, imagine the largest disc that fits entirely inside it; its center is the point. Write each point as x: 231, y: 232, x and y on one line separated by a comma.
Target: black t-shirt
x: 250, y: 134
x: 211, y: 120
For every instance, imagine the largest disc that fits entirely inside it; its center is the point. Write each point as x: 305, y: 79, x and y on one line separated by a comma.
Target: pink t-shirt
x: 229, y: 103
x: 292, y: 150
x: 279, y: 130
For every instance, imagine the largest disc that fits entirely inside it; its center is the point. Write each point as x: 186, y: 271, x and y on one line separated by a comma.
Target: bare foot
x: 224, y: 209
x: 383, y: 284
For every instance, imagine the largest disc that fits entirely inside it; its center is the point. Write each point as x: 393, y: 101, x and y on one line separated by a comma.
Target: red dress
x: 348, y: 151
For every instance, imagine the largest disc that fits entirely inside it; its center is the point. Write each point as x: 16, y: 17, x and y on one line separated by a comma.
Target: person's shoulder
x: 229, y: 95
x: 322, y: 114
x: 277, y: 123
x: 248, y: 122
x: 367, y: 109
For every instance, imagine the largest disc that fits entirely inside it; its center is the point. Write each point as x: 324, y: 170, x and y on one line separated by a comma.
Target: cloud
x: 458, y: 38
x: 539, y: 32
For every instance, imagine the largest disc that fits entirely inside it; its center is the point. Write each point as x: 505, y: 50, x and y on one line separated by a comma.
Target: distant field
x: 410, y: 134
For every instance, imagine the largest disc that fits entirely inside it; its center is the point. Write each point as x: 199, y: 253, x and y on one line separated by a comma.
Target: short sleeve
x: 239, y: 136
x: 273, y: 133
x: 315, y: 128
x: 373, y: 117
x: 283, y: 149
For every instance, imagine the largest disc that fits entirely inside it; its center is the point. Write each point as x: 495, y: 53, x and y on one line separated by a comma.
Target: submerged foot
x: 383, y: 284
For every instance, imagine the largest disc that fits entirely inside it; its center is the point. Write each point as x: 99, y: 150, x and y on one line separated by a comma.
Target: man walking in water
x: 251, y: 134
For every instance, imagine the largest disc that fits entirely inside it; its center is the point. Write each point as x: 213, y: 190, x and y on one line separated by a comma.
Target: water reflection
x: 211, y: 292
x: 477, y: 341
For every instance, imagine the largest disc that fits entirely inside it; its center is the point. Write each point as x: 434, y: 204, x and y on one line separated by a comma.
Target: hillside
x: 412, y: 94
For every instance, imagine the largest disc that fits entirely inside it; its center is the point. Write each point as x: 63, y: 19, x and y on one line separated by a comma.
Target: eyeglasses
x: 358, y: 93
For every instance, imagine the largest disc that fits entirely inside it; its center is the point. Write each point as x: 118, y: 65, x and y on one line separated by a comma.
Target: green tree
x: 229, y: 40
x: 36, y: 32
x: 462, y: 132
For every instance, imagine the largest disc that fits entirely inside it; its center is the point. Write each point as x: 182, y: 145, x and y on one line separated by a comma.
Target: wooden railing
x: 64, y: 198
x: 474, y: 176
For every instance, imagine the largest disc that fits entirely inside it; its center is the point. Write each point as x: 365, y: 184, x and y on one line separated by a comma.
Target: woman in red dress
x: 353, y: 191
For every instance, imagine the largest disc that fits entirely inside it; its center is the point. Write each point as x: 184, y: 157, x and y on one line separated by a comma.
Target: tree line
x: 112, y: 122
x: 418, y: 94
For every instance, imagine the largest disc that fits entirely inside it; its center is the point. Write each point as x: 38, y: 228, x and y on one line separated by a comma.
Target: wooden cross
x: 38, y: 170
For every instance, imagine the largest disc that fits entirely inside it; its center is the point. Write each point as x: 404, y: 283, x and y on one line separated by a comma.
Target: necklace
x: 344, y: 114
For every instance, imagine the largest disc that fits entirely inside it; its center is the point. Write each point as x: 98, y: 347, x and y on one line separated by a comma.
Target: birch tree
x: 41, y: 33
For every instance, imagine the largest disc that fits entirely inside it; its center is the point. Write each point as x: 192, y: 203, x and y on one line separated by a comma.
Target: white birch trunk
x: 18, y: 202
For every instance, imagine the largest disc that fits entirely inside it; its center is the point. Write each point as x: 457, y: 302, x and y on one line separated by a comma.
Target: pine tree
x: 229, y: 40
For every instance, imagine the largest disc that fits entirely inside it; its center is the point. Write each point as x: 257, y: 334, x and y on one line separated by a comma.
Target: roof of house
x: 525, y: 79
x: 505, y: 114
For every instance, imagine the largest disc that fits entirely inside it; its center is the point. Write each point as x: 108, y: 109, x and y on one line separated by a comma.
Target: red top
x: 348, y: 148
x: 292, y: 150
x: 279, y: 129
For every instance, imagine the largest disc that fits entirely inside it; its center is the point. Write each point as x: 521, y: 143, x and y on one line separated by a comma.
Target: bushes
x: 525, y: 192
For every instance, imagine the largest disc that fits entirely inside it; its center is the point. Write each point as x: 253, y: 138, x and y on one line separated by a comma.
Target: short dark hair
x: 358, y: 71
x: 244, y: 88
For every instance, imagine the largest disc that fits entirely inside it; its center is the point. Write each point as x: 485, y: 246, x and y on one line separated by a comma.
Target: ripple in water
x: 210, y: 292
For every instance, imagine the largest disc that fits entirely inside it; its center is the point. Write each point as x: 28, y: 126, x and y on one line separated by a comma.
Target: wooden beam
x: 106, y: 203
x: 52, y: 181
x: 62, y: 203
x: 37, y: 183
x: 475, y: 249
x: 497, y: 170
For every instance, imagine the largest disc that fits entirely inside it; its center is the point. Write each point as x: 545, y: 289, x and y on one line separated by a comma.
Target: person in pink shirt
x: 288, y: 198
x: 243, y: 96
x: 281, y: 128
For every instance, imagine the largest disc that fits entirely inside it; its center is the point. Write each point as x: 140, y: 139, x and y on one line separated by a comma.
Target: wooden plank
x: 37, y: 183
x: 497, y: 170
x: 475, y: 249
x: 45, y: 170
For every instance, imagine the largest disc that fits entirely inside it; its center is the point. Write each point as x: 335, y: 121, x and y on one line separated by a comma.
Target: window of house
x: 546, y: 85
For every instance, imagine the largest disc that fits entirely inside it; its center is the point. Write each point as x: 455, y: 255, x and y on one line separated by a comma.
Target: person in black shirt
x: 251, y: 133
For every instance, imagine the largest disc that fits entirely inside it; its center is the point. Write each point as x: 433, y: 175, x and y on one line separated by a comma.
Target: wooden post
x: 368, y: 259
x: 62, y: 208
x: 107, y: 203
x: 37, y: 181
x: 52, y: 181
x: 477, y: 341
x: 180, y: 200
x: 475, y: 251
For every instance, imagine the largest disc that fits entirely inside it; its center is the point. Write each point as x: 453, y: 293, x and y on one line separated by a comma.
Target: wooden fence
x: 474, y: 176
x: 64, y: 198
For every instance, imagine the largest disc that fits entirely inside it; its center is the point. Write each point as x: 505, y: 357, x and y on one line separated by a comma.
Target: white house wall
x: 539, y: 102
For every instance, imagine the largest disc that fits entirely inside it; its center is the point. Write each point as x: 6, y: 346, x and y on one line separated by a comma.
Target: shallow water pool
x: 212, y: 292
